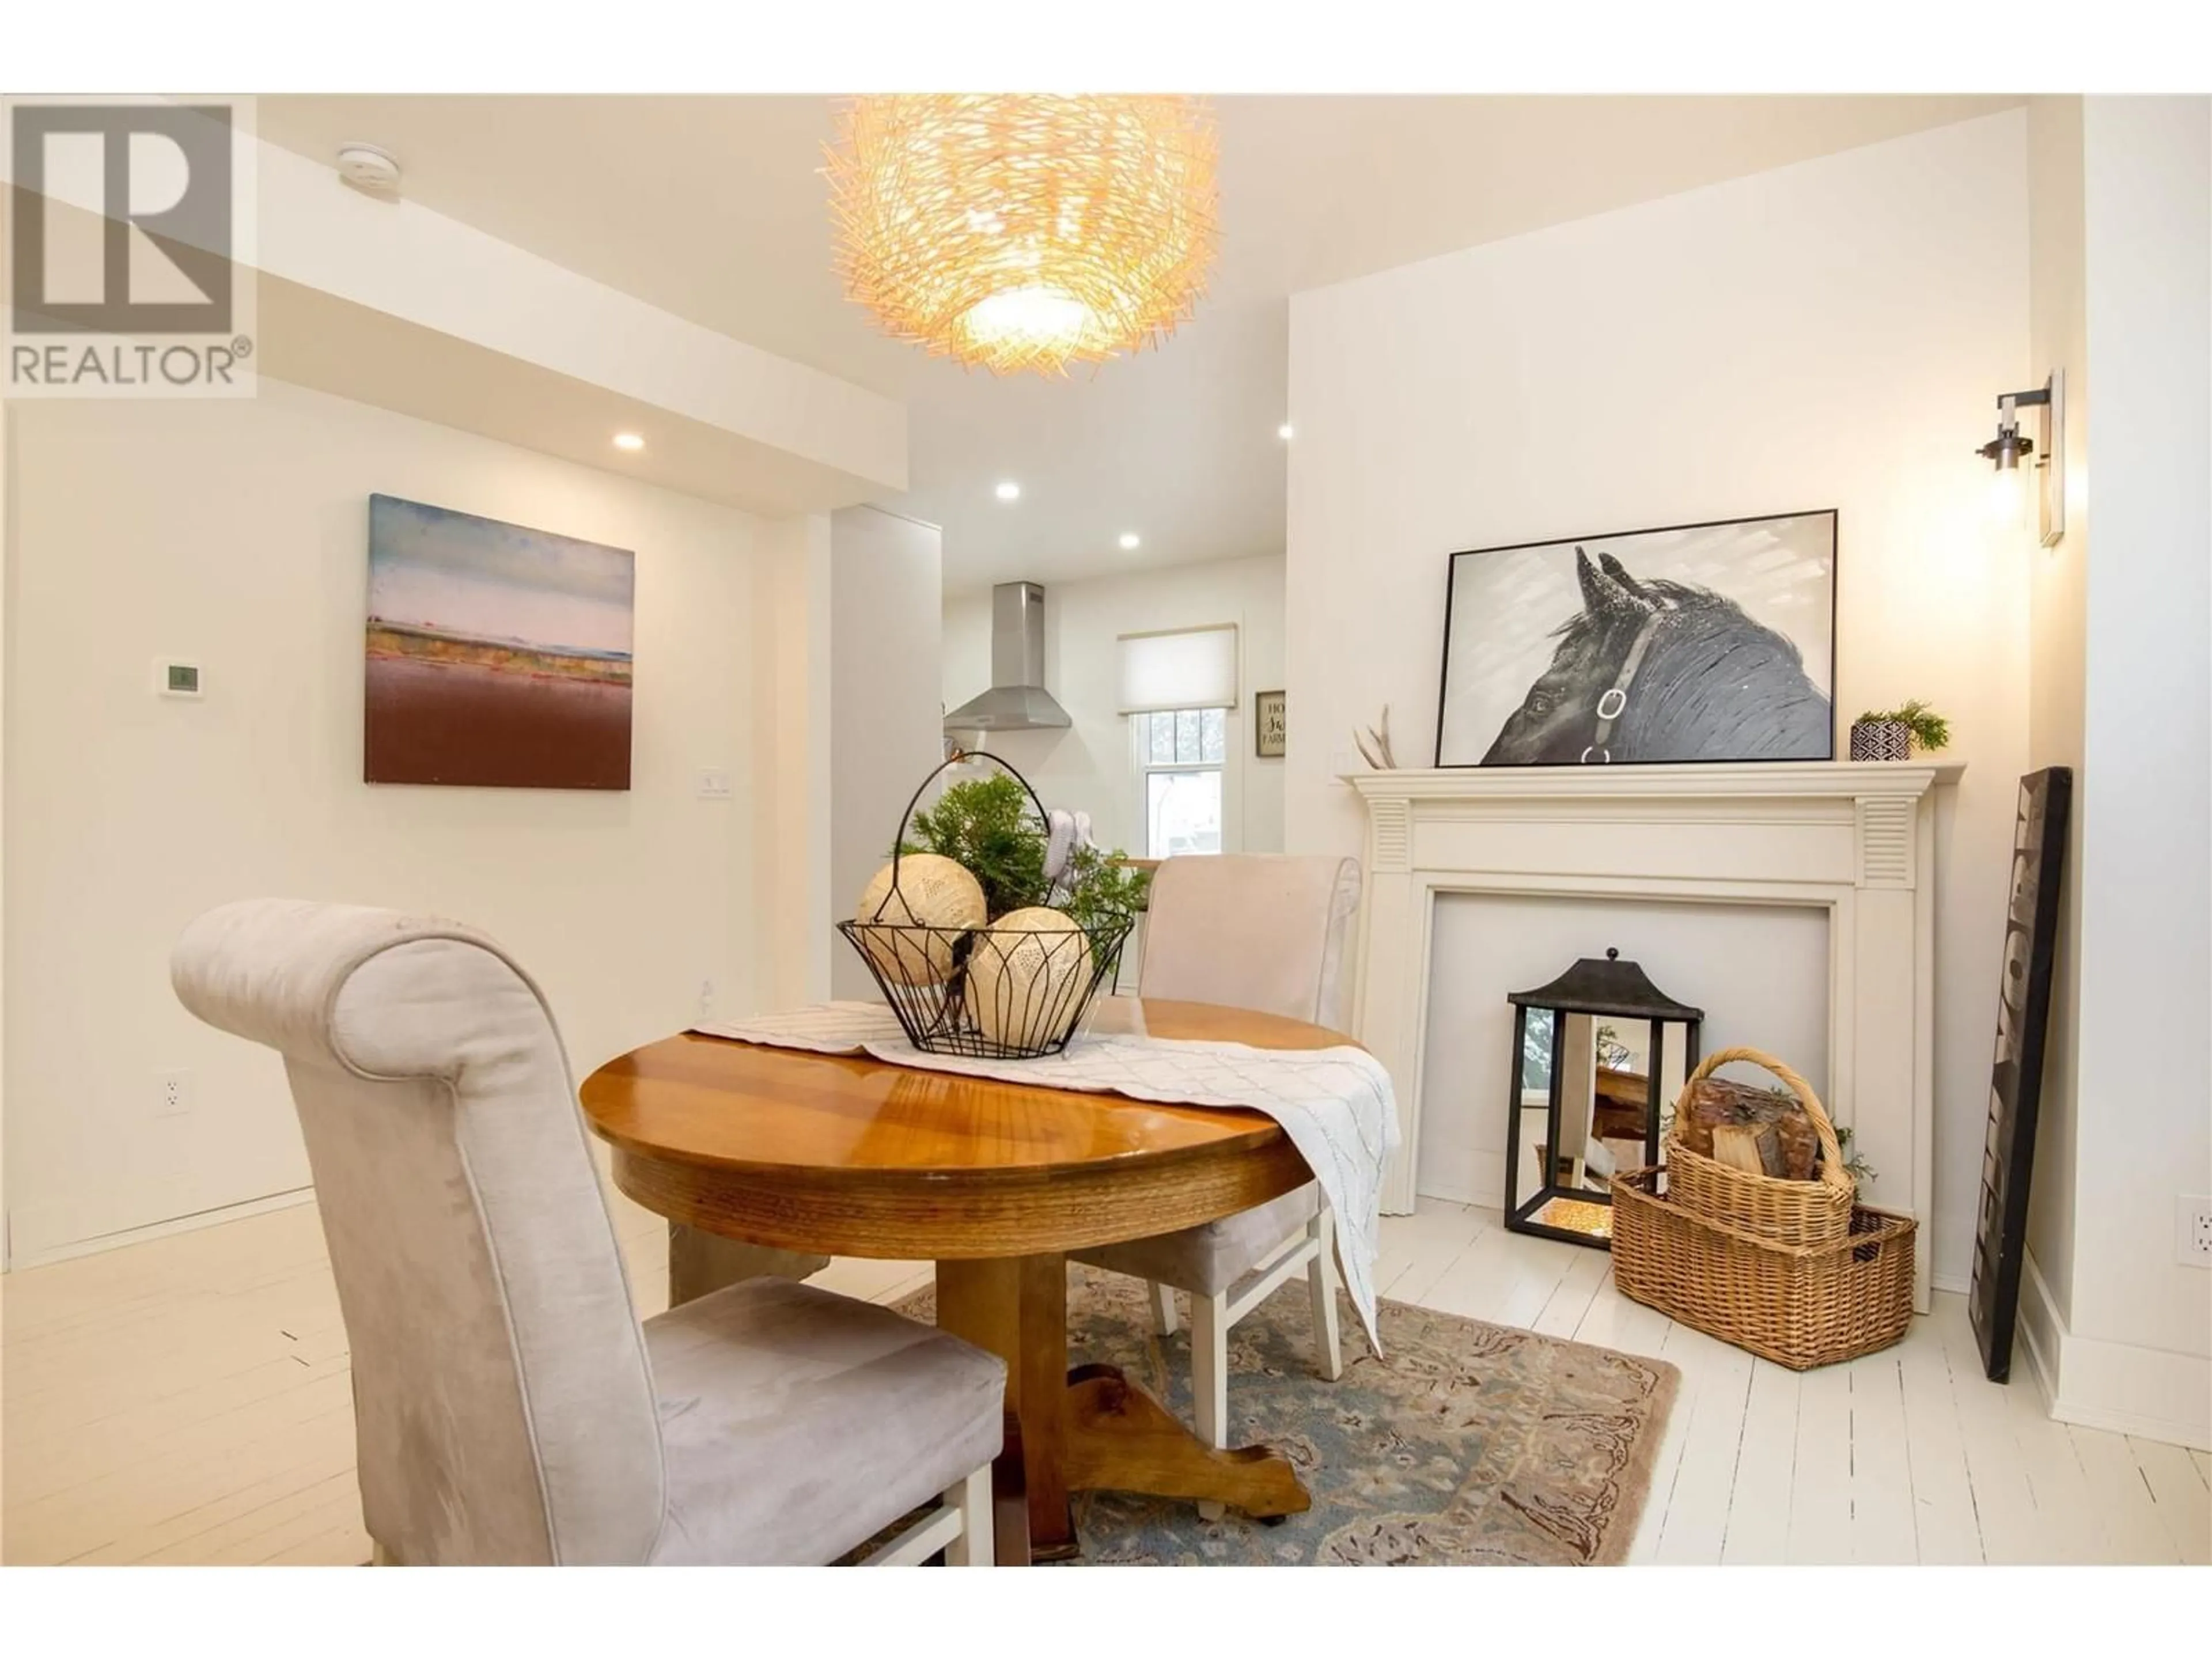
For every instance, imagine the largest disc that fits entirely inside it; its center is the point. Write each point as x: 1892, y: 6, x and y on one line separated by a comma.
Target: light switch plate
x: 714, y: 783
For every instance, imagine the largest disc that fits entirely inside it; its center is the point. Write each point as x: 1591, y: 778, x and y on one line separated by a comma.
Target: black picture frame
x: 2040, y: 824
x: 1453, y: 592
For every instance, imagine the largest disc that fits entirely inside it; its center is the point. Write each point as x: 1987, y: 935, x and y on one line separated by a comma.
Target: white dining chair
x: 509, y: 1408
x: 1267, y: 933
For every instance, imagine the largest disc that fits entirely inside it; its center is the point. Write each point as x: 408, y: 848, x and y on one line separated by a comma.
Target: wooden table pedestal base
x: 1090, y: 1429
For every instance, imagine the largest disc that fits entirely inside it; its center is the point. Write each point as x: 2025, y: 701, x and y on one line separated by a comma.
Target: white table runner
x: 1334, y: 1103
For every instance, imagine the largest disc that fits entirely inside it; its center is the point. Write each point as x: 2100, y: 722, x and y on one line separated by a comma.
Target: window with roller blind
x: 1176, y: 688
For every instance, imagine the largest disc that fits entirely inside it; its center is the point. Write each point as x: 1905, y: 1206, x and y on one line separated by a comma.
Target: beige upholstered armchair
x: 1267, y: 933
x: 508, y: 1406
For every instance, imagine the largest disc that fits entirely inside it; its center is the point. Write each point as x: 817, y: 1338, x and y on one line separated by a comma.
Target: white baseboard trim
x: 1488, y: 1177
x: 2151, y: 1392
x: 1443, y: 1196
x: 183, y: 1224
x: 1957, y: 1284
x: 1483, y: 1188
x: 2035, y: 1341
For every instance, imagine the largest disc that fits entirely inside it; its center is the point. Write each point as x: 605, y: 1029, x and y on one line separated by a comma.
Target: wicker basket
x: 1808, y: 1213
x: 1799, y: 1306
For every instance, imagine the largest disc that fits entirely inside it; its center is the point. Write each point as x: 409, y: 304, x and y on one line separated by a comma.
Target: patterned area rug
x: 1470, y: 1445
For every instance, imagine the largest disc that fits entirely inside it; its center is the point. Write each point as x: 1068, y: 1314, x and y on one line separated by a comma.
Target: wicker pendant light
x: 1023, y: 232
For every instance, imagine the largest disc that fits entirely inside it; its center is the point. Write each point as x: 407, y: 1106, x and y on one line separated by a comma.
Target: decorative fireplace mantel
x: 1854, y: 839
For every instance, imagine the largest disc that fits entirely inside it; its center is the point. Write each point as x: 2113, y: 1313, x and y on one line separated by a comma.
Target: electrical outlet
x: 173, y: 1094
x: 714, y: 783
x: 705, y: 1000
x: 2192, y: 1231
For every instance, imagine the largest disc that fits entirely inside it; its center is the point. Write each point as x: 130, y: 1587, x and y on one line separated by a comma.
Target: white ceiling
x: 714, y: 208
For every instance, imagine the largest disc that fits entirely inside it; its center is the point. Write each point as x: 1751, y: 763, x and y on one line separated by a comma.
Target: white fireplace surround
x: 1856, y: 840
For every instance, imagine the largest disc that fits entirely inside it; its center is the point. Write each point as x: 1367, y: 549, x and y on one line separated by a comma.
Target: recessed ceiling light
x: 1008, y: 491
x: 1129, y: 541
x: 1284, y: 430
x: 628, y: 440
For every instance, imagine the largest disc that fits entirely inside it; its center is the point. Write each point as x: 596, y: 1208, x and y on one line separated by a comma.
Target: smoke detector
x: 366, y: 166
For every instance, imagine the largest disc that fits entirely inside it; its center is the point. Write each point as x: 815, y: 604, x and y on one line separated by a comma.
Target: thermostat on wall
x: 175, y: 679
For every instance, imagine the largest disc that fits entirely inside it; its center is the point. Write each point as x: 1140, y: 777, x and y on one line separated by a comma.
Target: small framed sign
x: 1267, y: 725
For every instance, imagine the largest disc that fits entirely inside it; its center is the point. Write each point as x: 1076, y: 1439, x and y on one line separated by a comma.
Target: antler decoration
x: 1374, y: 743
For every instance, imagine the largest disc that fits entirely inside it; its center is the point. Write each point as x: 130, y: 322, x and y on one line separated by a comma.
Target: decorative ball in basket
x: 992, y: 938
x: 917, y: 908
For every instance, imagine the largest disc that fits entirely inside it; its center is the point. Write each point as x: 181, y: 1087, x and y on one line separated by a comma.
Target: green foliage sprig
x: 1100, y: 889
x: 1931, y: 730
x: 1854, y: 1166
x: 988, y: 826
x: 985, y: 824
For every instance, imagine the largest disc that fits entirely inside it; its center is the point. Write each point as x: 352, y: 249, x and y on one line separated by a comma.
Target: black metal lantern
x: 1597, y: 1056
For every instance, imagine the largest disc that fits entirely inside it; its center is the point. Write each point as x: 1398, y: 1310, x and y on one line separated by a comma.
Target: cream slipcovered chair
x: 1266, y: 932
x: 508, y: 1406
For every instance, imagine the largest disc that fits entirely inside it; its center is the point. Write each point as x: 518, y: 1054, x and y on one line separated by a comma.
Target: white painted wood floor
x: 187, y: 1400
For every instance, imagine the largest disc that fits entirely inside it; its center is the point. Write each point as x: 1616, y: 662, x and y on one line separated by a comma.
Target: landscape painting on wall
x: 1700, y: 642
x: 497, y: 655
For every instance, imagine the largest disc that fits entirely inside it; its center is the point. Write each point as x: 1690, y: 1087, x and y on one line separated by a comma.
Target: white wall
x: 2057, y: 614
x: 887, y: 585
x: 791, y: 640
x: 235, y: 533
x: 2118, y: 1331
x: 2146, y: 948
x: 1087, y: 768
x: 1828, y: 335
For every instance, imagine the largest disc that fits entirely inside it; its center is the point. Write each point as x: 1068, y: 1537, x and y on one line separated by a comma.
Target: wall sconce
x: 2045, y: 452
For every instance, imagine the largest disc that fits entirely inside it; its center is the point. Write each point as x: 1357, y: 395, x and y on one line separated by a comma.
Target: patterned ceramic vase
x: 1881, y: 741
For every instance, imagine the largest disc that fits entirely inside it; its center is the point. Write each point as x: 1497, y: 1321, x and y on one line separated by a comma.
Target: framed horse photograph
x: 1694, y: 642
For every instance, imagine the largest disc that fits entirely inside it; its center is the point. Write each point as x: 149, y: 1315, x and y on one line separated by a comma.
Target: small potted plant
x: 1892, y: 734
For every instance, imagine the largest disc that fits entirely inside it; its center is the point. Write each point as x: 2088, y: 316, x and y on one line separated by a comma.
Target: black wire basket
x: 997, y: 991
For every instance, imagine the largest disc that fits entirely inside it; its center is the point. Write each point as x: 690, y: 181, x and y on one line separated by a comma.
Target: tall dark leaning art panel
x: 2039, y: 859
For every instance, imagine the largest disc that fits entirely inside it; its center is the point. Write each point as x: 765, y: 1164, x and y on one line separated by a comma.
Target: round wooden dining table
x: 993, y: 1181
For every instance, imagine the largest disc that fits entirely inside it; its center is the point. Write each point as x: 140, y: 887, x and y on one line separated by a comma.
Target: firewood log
x: 1753, y: 1147
x: 1716, y: 1100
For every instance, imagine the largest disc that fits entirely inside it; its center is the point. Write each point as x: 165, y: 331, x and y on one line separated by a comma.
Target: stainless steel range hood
x: 1017, y: 701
